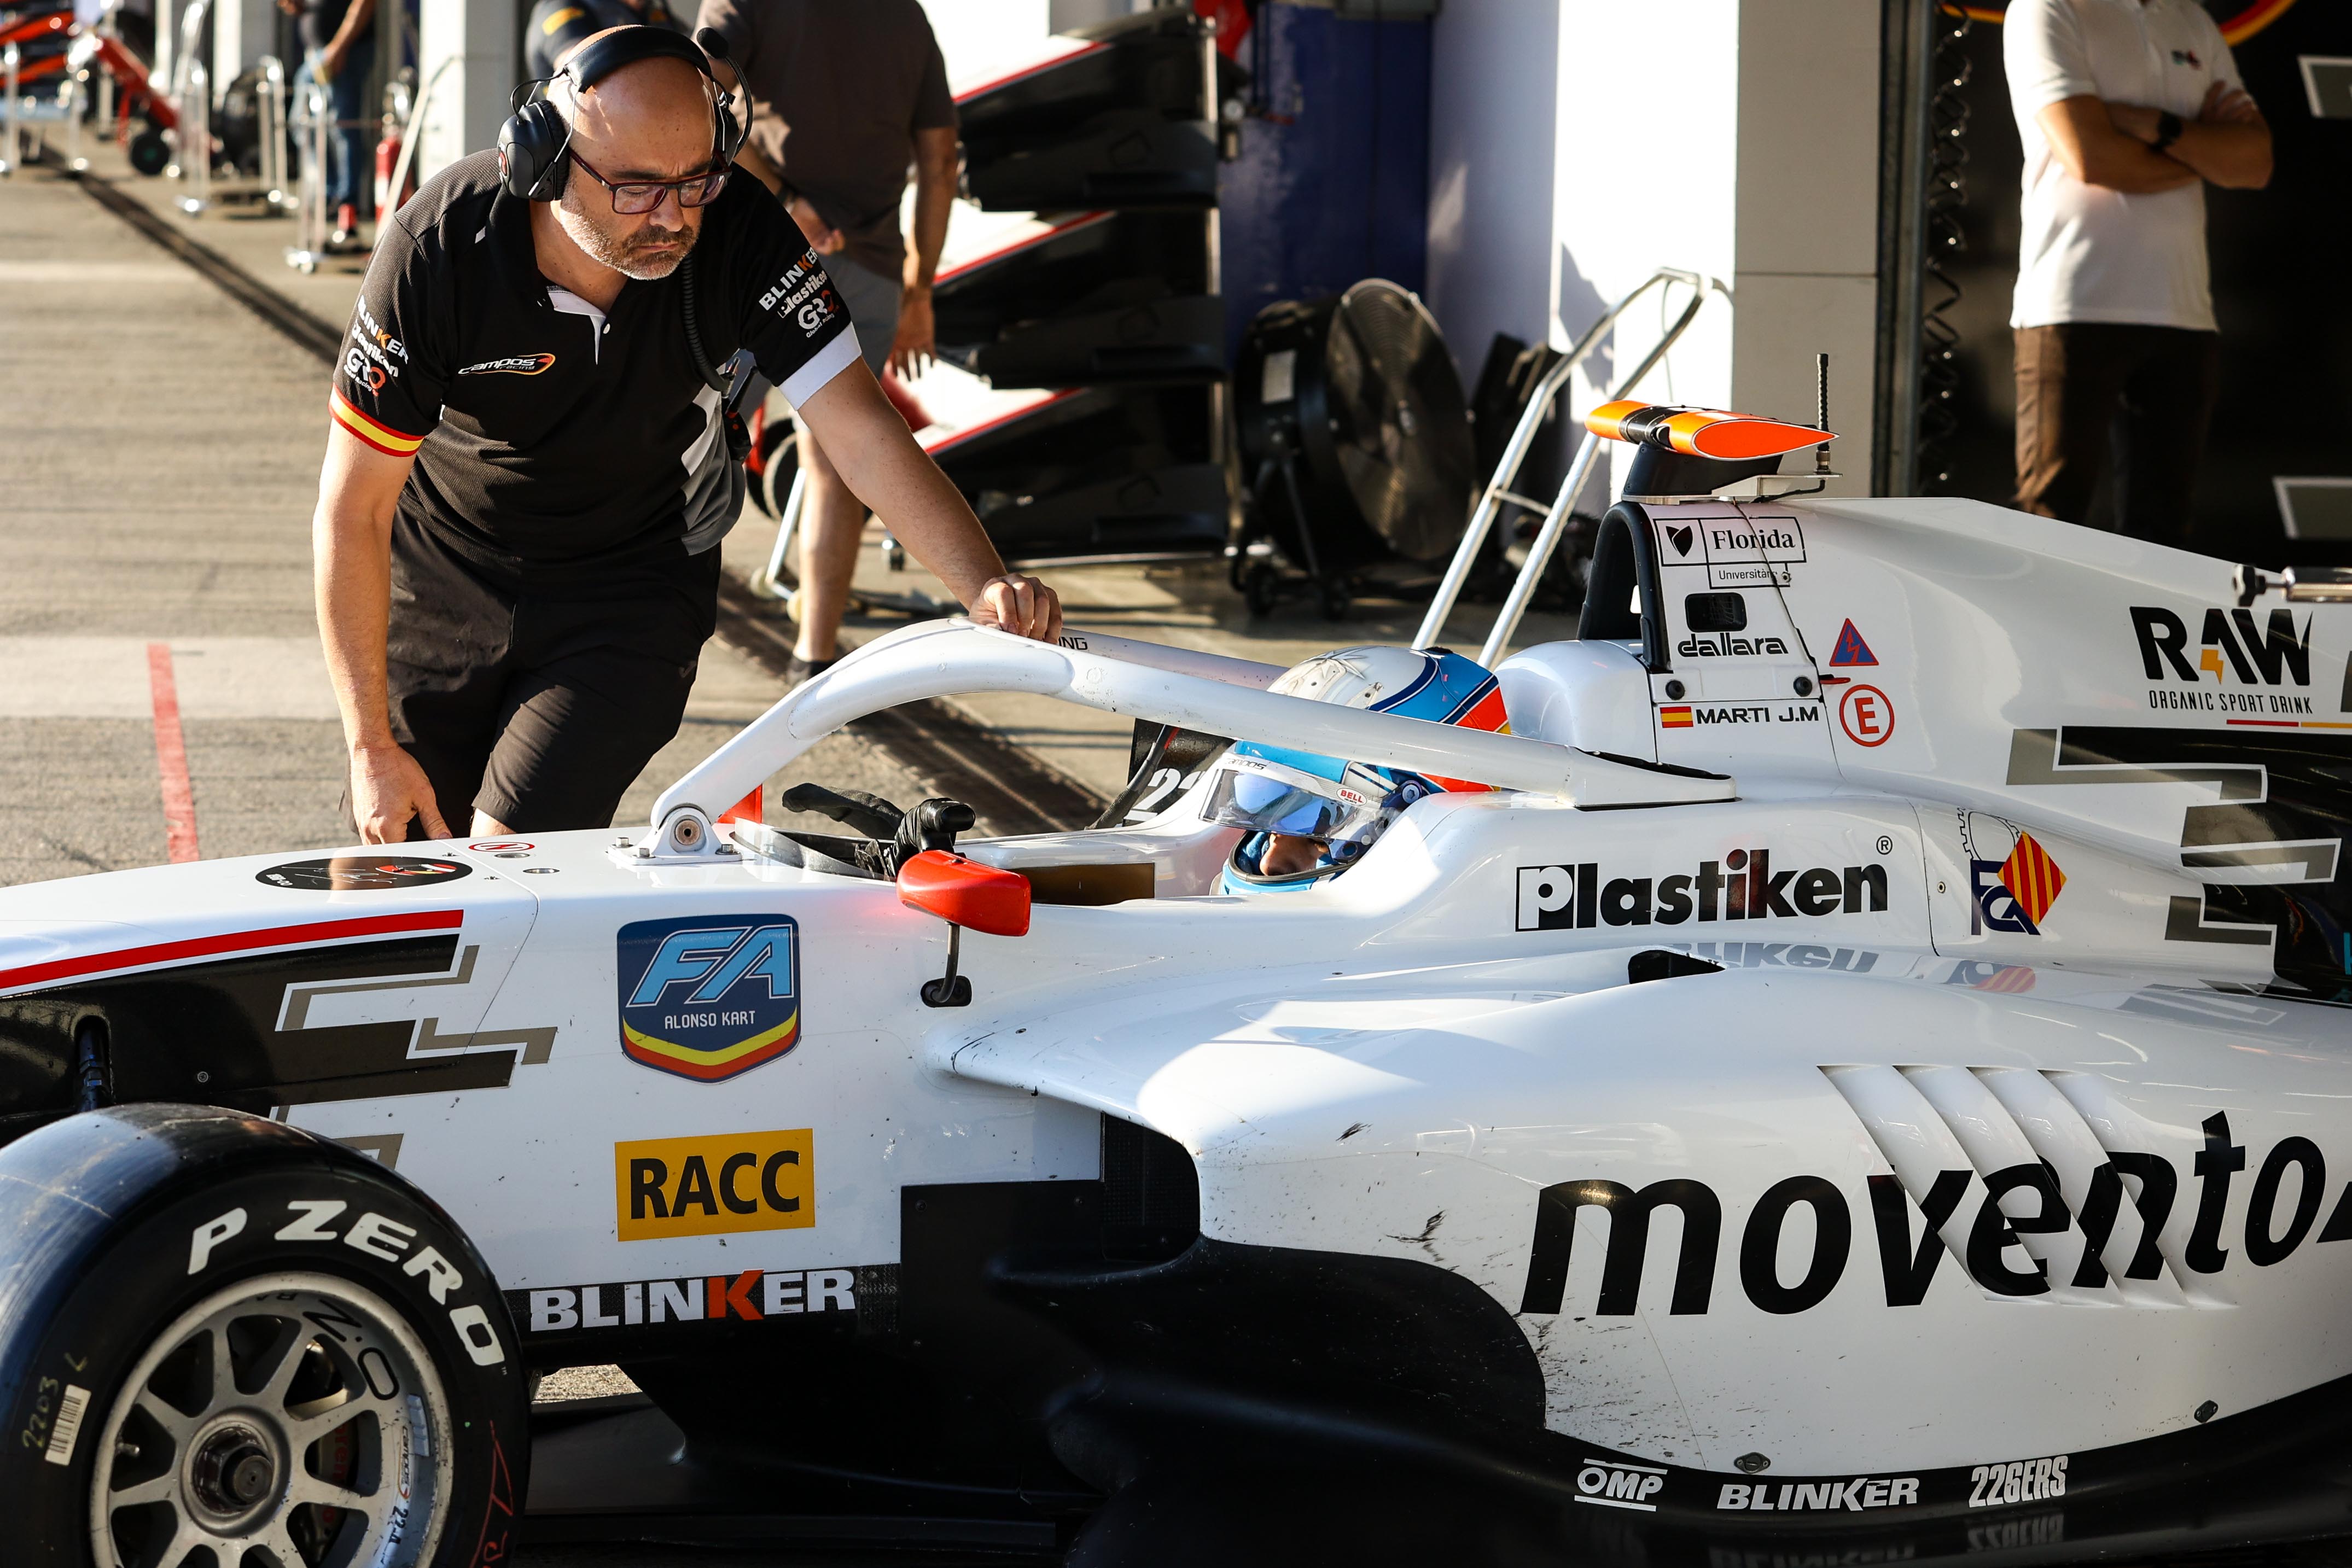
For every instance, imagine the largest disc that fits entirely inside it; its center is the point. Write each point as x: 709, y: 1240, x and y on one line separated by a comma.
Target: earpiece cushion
x: 531, y: 157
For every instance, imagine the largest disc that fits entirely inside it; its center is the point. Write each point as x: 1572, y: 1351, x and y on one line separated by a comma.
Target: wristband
x: 2167, y: 131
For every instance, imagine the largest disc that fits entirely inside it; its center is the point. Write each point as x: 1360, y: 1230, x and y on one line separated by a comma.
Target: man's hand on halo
x: 389, y: 789
x: 1019, y: 604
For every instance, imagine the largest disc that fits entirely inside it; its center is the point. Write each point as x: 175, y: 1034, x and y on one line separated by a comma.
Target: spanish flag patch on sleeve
x: 373, y: 432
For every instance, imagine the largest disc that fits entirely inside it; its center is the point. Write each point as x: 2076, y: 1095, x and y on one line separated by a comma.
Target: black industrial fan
x: 1355, y: 437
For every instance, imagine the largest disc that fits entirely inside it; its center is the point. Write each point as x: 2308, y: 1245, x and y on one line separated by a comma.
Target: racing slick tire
x: 219, y: 1333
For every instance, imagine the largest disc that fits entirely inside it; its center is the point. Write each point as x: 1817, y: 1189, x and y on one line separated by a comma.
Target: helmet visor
x: 1268, y: 799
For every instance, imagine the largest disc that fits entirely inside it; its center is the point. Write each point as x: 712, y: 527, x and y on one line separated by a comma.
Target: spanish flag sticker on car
x: 1674, y: 718
x: 710, y: 997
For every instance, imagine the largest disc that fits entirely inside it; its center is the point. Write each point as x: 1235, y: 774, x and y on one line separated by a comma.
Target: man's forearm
x: 2084, y: 136
x: 879, y: 459
x: 934, y: 202
x: 359, y: 15
x: 927, y: 513
x: 353, y: 585
x: 2237, y: 155
x: 2134, y: 168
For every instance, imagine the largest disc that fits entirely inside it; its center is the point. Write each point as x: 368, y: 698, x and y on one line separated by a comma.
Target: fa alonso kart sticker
x: 710, y: 997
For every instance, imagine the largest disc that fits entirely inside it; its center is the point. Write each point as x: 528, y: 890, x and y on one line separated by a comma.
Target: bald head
x: 659, y: 108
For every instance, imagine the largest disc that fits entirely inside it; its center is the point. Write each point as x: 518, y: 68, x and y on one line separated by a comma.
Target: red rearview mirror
x: 966, y: 892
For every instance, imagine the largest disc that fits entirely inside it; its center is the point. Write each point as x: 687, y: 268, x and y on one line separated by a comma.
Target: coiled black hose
x: 1948, y: 194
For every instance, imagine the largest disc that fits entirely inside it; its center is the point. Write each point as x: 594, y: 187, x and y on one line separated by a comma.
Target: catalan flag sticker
x: 2033, y: 878
x: 1674, y: 718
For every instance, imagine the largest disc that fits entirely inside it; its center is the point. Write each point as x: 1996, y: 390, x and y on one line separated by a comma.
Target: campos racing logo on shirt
x: 803, y: 289
x: 710, y: 997
x: 513, y: 365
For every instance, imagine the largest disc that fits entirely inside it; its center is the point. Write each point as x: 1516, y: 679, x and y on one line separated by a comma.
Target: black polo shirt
x: 553, y: 448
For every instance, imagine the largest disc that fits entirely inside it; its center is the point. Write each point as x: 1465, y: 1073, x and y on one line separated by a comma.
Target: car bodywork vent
x: 1151, y: 1194
x: 2053, y: 1165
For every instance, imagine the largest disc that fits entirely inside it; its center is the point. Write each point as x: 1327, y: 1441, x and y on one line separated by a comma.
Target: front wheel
x: 298, y: 1365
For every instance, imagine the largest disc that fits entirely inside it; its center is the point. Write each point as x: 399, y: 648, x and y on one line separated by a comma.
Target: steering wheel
x: 933, y: 824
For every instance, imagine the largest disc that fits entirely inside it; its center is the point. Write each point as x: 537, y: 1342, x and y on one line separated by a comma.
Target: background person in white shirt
x: 2126, y: 108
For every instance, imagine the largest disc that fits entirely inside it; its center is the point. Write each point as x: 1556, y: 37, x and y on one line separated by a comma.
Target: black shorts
x: 539, y: 704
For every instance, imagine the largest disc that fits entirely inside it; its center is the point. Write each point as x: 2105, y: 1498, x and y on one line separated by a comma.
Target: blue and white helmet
x: 1269, y: 790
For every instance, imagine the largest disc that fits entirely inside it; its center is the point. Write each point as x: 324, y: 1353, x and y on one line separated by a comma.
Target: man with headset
x: 528, y: 471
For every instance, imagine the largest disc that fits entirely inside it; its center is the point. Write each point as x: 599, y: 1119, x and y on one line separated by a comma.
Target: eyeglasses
x: 633, y: 197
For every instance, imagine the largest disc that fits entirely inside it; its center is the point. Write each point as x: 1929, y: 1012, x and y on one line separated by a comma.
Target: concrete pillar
x: 477, y: 42
x: 1807, y: 222
x: 1737, y: 138
x: 243, y: 31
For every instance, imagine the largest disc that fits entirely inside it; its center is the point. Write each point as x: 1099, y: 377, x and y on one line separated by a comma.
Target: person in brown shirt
x: 850, y: 93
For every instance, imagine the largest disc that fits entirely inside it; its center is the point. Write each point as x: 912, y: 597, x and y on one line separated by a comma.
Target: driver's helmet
x: 1269, y: 790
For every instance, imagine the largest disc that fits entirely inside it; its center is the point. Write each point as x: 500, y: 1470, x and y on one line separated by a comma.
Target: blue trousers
x: 351, y: 162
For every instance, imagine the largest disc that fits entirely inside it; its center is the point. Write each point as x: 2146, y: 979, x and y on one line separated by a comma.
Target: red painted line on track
x: 231, y: 942
x: 172, y: 756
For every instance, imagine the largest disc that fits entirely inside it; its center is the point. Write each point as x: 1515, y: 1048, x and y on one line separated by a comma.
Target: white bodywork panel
x: 1980, y: 971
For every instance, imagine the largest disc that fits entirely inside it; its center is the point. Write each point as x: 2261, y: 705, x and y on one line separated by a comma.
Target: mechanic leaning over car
x: 528, y: 473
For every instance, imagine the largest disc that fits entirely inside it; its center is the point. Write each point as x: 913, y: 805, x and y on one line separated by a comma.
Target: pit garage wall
x: 1575, y: 145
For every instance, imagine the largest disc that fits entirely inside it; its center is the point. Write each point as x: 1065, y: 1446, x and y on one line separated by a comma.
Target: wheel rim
x: 290, y: 1421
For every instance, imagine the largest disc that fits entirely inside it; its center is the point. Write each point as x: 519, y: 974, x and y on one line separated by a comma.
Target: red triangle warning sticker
x: 1850, y: 649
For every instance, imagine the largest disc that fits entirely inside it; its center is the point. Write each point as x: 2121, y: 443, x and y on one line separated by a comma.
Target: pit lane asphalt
x: 159, y: 462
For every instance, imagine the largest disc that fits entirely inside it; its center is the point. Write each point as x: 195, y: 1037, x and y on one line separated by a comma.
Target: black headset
x: 535, y: 144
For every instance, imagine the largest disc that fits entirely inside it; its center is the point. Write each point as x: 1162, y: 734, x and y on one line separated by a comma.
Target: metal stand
x: 273, y: 134
x: 409, y: 132
x: 314, y: 119
x: 105, y: 77
x: 771, y: 582
x: 196, y: 137
x: 72, y: 94
x: 12, y: 145
x: 1506, y: 471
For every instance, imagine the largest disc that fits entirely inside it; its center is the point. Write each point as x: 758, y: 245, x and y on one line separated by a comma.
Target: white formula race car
x: 1868, y: 1082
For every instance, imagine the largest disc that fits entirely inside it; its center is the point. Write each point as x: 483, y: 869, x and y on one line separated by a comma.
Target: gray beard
x: 617, y: 254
